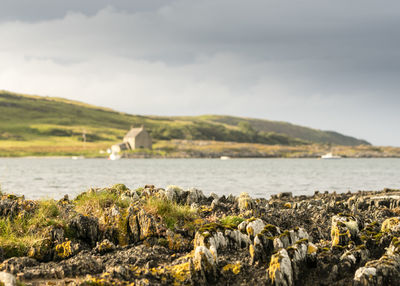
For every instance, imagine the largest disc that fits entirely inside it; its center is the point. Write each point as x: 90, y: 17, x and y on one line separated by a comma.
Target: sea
x: 54, y: 177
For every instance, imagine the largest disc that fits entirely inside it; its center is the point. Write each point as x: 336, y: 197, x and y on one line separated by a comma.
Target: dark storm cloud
x: 325, y: 64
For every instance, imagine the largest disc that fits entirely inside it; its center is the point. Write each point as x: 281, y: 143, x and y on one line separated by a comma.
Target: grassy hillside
x: 291, y: 130
x: 44, y: 121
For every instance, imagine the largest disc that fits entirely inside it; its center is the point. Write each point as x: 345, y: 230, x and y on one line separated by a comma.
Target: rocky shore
x: 155, y: 236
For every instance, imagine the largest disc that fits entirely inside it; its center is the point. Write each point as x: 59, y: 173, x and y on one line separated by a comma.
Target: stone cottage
x: 136, y: 138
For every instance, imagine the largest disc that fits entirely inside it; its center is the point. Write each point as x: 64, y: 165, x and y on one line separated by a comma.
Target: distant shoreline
x: 185, y: 157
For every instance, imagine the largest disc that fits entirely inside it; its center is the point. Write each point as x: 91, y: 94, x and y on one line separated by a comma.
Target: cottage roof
x: 134, y: 132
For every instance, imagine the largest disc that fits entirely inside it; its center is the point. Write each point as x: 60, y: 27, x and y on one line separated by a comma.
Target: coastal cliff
x: 155, y: 236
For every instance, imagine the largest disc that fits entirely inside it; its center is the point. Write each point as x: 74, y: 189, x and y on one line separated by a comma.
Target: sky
x: 330, y: 65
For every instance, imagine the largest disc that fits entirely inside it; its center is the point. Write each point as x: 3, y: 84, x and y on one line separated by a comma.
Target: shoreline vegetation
x: 192, y: 149
x: 171, y: 236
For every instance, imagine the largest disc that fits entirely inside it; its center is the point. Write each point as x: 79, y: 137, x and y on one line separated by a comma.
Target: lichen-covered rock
x: 391, y: 225
x: 344, y: 229
x: 205, y: 264
x: 289, y: 237
x: 86, y: 228
x: 41, y: 250
x: 355, y: 239
x: 104, y: 247
x: 237, y: 239
x: 298, y: 255
x: 212, y: 240
x: 280, y: 269
x: 147, y: 225
x: 177, y: 242
x: 384, y: 271
x: 15, y: 265
x: 66, y: 249
x: 254, y: 227
x: 235, y: 268
x: 142, y: 225
x: 263, y: 244
x: 245, y: 202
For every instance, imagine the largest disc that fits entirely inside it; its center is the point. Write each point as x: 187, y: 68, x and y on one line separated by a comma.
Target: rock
x: 86, y: 228
x: 245, y: 202
x: 365, y: 276
x: 66, y: 249
x: 147, y: 225
x: 343, y: 230
x: 255, y: 227
x: 174, y: 193
x: 142, y: 225
x: 7, y: 279
x: 177, y: 242
x: 194, y: 196
x: 280, y: 269
x: 137, y: 246
x: 384, y: 271
x: 242, y: 226
x: 41, y: 250
x: 214, y: 196
x: 298, y: 255
x: 15, y: 265
x: 284, y: 195
x: 104, y: 247
x: 204, y: 263
x: 237, y: 239
x: 391, y: 225
x: 213, y: 240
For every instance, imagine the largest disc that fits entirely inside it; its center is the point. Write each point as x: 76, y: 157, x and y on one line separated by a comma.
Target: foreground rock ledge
x: 154, y: 236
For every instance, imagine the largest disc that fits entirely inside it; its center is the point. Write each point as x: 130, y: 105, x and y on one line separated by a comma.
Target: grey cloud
x: 41, y: 10
x: 325, y: 64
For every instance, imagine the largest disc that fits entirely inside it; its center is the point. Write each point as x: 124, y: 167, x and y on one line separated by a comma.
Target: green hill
x: 25, y: 118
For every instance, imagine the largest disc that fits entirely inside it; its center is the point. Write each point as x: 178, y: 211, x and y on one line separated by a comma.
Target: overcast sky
x: 331, y: 65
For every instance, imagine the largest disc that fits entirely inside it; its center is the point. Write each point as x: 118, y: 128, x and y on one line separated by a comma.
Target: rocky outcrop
x: 154, y: 236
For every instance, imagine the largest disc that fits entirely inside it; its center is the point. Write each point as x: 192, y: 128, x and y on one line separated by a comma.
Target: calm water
x: 52, y: 178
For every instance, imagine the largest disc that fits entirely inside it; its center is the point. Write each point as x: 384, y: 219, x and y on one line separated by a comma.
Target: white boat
x: 77, y: 157
x: 225, y: 157
x: 114, y: 156
x: 330, y: 156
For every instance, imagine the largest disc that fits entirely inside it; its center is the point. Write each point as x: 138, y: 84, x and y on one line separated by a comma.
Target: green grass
x: 231, y: 221
x: 39, y: 126
x: 171, y: 213
x: 20, y: 233
x: 95, y: 202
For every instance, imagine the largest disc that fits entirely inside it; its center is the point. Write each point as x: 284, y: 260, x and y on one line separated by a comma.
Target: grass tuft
x: 18, y: 234
x: 231, y: 221
x: 95, y: 202
x: 171, y: 213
